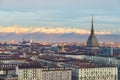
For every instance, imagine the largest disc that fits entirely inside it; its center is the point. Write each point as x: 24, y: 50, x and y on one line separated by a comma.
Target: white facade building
x: 106, y: 73
x: 89, y: 71
x: 43, y: 73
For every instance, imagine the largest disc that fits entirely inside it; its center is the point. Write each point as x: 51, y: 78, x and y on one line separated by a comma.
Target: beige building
x: 8, y: 60
x: 1, y: 71
x: 40, y: 73
x: 29, y: 74
x: 56, y: 74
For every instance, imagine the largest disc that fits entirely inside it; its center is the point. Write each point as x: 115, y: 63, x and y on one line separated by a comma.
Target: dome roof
x: 92, y: 41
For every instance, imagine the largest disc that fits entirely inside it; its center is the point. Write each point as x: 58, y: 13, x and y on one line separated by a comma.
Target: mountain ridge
x: 57, y: 37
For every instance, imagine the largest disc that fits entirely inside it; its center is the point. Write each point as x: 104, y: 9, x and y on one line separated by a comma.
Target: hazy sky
x: 61, y: 13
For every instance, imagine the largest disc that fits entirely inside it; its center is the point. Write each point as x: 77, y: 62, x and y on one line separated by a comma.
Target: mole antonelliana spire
x: 92, y: 42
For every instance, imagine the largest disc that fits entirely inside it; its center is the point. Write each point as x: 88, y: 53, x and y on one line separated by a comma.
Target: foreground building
x: 37, y: 72
x: 105, y: 73
x: 56, y: 74
x: 90, y: 71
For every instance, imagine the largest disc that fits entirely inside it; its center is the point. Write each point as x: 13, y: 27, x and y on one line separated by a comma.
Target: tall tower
x: 92, y: 42
x: 62, y: 48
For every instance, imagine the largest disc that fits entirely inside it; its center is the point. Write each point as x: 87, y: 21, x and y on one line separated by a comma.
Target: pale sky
x: 61, y: 13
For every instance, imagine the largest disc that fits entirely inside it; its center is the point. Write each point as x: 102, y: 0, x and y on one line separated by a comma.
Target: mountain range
x: 56, y: 37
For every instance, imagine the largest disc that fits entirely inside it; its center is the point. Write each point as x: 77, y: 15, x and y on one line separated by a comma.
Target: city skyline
x: 59, y: 40
x: 61, y: 14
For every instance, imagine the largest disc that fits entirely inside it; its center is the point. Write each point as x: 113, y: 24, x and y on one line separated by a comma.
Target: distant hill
x: 56, y: 37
